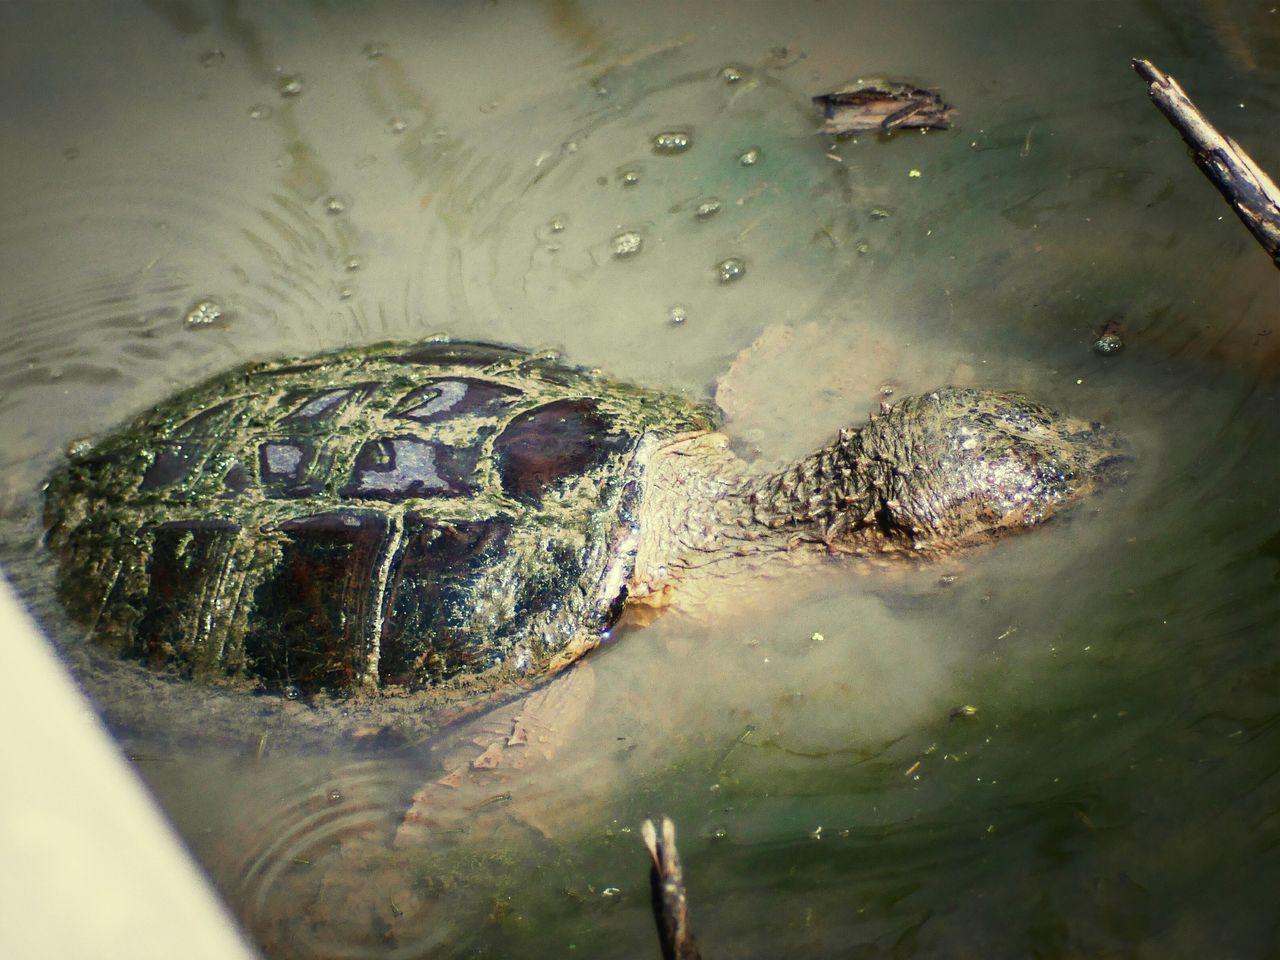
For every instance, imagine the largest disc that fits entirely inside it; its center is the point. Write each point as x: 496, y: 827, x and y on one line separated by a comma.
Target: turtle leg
x: 491, y: 764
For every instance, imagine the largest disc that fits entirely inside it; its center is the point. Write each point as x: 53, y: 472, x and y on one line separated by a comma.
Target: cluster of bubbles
x: 671, y: 142
x: 203, y: 313
x: 626, y: 244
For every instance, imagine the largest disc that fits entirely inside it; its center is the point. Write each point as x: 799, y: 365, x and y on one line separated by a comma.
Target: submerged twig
x: 1252, y: 194
x: 670, y: 904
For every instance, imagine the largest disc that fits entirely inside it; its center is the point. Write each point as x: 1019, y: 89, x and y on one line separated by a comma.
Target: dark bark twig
x: 1252, y: 194
x: 670, y: 905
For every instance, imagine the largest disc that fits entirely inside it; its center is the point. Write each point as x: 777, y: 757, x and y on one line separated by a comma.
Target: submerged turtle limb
x: 485, y: 764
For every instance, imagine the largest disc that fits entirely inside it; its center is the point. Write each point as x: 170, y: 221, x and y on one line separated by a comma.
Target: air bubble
x: 211, y: 58
x: 374, y: 51
x: 259, y: 111
x: 751, y: 157
x: 626, y: 244
x: 203, y: 313
x: 80, y: 446
x: 549, y: 231
x: 334, y: 795
x: 671, y: 142
x: 630, y: 177
x: 731, y: 269
x: 290, y: 86
x: 708, y: 208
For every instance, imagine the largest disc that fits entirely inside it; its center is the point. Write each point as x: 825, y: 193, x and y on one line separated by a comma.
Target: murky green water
x: 314, y: 175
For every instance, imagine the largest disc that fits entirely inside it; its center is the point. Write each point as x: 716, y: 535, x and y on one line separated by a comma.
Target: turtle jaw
x: 961, y: 466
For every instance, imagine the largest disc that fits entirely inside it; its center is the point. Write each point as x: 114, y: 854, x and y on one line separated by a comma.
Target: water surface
x: 189, y: 186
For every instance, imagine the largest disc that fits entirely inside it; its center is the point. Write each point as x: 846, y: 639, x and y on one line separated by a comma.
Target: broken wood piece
x: 883, y: 105
x: 670, y: 904
x: 1252, y: 194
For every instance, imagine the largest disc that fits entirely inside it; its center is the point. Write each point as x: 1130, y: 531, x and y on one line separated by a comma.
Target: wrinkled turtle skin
x: 393, y: 515
x: 464, y: 517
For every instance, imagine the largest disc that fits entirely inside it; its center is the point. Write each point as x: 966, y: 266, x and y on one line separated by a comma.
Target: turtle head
x: 960, y: 466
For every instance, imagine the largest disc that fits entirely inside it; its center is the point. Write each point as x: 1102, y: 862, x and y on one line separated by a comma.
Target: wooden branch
x: 1252, y: 194
x: 670, y: 905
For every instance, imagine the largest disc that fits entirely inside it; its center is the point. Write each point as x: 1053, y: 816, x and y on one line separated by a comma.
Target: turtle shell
x: 397, y: 515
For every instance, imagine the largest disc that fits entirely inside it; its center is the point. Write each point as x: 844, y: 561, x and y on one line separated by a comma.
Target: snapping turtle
x: 464, y: 518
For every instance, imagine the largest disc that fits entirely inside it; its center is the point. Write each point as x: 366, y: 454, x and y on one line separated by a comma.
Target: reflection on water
x: 189, y: 185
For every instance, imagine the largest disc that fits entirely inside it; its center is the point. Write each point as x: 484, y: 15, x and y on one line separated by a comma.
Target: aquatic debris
x: 750, y: 157
x: 677, y: 314
x: 670, y: 902
x: 883, y: 105
x: 1252, y: 194
x: 966, y: 711
x: 1109, y: 340
x: 707, y: 209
